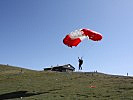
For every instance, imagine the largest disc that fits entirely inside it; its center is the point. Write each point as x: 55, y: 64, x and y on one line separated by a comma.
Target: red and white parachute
x: 74, y: 38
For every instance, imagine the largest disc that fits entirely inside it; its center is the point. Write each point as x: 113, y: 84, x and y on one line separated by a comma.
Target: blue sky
x: 31, y: 34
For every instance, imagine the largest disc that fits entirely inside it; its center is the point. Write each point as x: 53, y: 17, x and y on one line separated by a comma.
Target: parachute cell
x: 74, y: 38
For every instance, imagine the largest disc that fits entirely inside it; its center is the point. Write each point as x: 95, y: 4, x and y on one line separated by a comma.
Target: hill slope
x: 8, y: 69
x: 35, y: 85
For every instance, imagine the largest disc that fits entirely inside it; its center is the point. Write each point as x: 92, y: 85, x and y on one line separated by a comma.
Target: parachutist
x: 80, y: 63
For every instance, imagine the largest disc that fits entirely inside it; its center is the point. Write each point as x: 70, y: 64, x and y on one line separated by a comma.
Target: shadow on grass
x: 17, y: 94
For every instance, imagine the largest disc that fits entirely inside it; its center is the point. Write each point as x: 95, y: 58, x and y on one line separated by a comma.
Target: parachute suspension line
x: 74, y: 38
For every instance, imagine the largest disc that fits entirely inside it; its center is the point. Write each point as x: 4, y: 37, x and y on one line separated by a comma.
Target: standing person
x: 80, y: 63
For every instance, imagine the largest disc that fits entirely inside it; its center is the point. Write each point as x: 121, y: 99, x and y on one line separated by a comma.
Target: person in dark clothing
x: 80, y: 63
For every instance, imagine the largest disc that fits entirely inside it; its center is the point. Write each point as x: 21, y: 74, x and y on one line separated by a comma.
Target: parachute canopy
x: 74, y: 38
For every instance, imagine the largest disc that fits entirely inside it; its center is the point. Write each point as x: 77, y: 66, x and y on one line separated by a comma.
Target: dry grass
x: 35, y: 85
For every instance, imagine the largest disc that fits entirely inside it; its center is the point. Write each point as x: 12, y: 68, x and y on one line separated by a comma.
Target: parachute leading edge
x: 74, y: 38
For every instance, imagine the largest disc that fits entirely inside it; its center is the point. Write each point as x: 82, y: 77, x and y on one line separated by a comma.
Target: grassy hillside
x: 35, y: 85
x: 8, y: 69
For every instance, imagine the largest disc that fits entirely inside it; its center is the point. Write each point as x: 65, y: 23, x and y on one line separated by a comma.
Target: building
x: 63, y: 68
